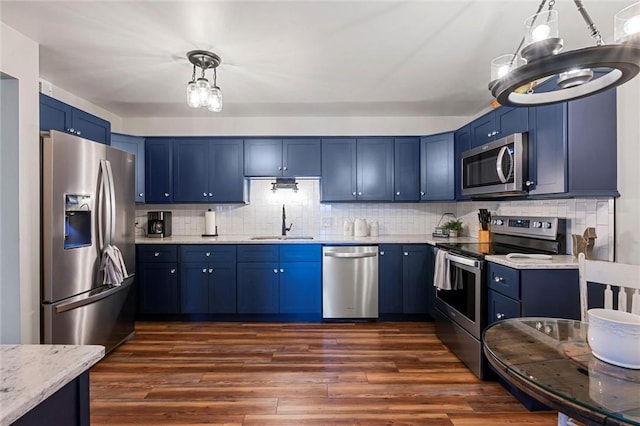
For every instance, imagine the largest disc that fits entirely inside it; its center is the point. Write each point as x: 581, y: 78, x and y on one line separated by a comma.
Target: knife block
x: 484, y: 236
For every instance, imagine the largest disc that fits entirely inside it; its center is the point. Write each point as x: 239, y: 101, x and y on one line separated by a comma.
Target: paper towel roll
x: 210, y: 222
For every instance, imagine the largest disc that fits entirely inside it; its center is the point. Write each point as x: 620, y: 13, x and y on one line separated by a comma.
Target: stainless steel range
x: 461, y: 313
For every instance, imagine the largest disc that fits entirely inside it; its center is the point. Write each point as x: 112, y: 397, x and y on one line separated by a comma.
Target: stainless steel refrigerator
x: 87, y: 206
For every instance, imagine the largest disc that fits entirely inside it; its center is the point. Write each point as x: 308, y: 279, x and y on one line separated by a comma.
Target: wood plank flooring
x: 179, y: 373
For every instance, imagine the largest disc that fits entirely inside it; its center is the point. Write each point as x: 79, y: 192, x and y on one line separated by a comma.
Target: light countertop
x: 29, y: 374
x: 561, y: 261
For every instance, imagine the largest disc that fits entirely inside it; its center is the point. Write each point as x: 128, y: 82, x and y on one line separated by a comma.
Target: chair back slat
x: 623, y: 276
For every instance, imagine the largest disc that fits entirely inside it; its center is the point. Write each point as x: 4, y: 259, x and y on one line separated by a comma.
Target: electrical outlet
x: 327, y: 222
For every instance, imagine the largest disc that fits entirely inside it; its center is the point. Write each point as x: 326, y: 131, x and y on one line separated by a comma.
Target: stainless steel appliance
x: 87, y: 207
x: 497, y: 169
x: 461, y: 314
x: 158, y: 224
x: 350, y: 282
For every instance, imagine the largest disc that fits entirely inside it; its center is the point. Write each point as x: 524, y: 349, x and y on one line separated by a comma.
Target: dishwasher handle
x: 350, y: 255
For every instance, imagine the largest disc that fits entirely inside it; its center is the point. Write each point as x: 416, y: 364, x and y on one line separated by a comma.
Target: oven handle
x: 464, y: 260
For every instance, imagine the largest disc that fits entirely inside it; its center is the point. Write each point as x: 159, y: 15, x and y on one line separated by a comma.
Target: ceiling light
x: 538, y: 58
x: 200, y: 93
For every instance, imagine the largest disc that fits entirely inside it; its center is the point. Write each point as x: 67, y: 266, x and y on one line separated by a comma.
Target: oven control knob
x: 499, y: 222
x: 537, y: 224
x: 547, y: 225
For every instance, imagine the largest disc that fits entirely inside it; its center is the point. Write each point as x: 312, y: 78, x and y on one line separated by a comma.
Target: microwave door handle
x: 499, y: 170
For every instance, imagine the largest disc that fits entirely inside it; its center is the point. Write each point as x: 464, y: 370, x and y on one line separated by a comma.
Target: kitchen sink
x: 280, y: 237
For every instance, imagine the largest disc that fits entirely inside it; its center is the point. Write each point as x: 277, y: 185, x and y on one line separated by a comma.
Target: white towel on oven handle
x: 441, y: 276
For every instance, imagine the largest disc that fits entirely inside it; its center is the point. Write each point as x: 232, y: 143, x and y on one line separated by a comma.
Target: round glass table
x: 549, y: 359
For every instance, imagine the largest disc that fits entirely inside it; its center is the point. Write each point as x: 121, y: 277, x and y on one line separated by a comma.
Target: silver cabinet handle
x: 210, y: 194
x: 275, y: 271
x: 211, y: 271
x: 156, y: 254
x: 488, y: 135
x: 421, y: 193
x: 204, y: 194
x: 279, y: 167
x: 208, y: 254
x: 529, y: 183
x: 284, y: 168
x: 499, y: 315
x: 498, y: 279
x: 353, y: 193
x: 281, y: 270
x: 398, y: 193
x: 78, y: 132
x: 204, y: 270
x: 173, y: 270
x: 141, y: 194
x: 381, y: 253
x: 359, y: 193
x: 71, y: 130
x: 166, y: 194
x: 406, y: 253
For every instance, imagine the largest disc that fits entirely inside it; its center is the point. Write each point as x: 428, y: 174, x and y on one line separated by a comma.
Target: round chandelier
x: 200, y: 93
x: 538, y: 58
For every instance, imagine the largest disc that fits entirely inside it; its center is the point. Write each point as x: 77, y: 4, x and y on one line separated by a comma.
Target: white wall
x: 80, y: 103
x: 19, y: 59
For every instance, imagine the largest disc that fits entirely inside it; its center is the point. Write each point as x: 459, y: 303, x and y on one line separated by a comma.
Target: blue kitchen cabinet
x: 406, y: 169
x: 390, y: 299
x: 497, y: 124
x: 208, y: 170
x: 158, y: 170
x: 573, y: 147
x: 258, y: 288
x: 157, y: 277
x: 357, y: 169
x: 57, y: 115
x: 133, y: 145
x: 207, y: 279
x: 288, y: 157
x: 437, y: 167
x: 416, y: 273
x: 300, y: 287
x: 462, y: 143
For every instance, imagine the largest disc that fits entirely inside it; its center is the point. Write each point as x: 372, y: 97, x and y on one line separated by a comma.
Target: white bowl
x: 614, y: 337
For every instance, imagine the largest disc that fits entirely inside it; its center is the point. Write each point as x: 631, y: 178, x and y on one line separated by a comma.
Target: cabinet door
x: 54, y: 115
x: 301, y: 157
x: 548, y: 149
x: 338, y: 181
x: 158, y: 287
x: 501, y: 307
x: 437, y: 167
x: 374, y: 169
x: 194, y: 287
x: 482, y: 130
x: 190, y: 170
x: 258, y: 288
x: 511, y: 120
x: 407, y: 169
x: 415, y: 274
x: 300, y: 287
x: 133, y: 145
x: 390, y: 279
x: 222, y: 289
x: 262, y: 157
x: 226, y: 181
x: 89, y: 126
x: 158, y: 170
x: 462, y: 143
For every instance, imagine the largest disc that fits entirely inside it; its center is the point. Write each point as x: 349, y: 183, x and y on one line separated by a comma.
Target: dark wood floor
x: 295, y: 374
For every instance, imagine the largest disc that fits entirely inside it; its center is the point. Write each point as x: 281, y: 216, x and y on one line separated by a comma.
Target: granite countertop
x: 29, y: 374
x: 560, y: 261
x: 330, y: 239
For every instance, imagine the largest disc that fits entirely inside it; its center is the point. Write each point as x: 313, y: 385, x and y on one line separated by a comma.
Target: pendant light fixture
x: 538, y: 57
x: 200, y: 93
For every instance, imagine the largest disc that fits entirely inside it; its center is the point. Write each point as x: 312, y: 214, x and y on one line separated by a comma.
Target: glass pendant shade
x: 627, y: 24
x: 215, y: 100
x: 541, y: 26
x: 203, y: 89
x: 193, y: 98
x: 503, y: 65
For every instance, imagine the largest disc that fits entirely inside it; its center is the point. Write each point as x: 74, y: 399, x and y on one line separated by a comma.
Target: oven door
x: 464, y: 304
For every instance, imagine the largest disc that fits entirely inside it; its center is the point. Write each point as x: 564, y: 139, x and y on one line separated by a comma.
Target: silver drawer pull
x: 208, y: 254
x: 156, y: 254
x: 498, y: 279
x: 173, y: 271
x: 204, y: 270
x: 499, y: 315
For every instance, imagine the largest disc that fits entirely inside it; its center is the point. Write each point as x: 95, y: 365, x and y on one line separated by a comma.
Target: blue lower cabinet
x: 258, y: 288
x: 390, y: 279
x: 194, y: 288
x: 416, y: 275
x: 158, y: 286
x: 300, y: 287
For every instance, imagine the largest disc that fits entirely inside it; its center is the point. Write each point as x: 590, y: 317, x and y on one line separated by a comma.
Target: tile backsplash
x: 263, y: 216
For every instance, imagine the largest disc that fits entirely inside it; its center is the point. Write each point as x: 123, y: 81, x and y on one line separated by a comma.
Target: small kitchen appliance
x: 158, y: 224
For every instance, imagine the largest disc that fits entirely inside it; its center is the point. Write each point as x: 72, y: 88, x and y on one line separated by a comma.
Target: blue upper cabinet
x: 158, y: 170
x: 437, y: 167
x: 133, y: 145
x: 462, y: 143
x: 289, y: 157
x: 57, y: 115
x: 406, y: 169
x: 357, y: 169
x: 573, y: 147
x: 497, y: 124
x: 208, y: 170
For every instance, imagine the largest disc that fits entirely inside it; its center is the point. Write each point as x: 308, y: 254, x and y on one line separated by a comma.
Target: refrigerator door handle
x: 101, y: 197
x: 111, y: 223
x: 87, y: 300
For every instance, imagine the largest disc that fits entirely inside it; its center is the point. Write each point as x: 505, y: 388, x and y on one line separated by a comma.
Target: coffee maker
x: 158, y: 224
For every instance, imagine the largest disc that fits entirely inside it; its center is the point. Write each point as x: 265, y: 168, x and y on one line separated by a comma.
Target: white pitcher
x: 361, y: 229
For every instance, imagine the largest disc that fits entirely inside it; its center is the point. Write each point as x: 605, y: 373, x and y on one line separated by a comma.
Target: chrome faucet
x: 284, y: 223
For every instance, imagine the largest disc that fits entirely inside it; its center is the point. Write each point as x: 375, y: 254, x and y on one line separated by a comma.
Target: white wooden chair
x: 612, y: 274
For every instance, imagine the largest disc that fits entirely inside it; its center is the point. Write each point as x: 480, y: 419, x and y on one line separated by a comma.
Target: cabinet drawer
x: 258, y: 253
x: 300, y: 253
x: 158, y: 253
x: 504, y: 280
x: 502, y: 307
x: 207, y: 253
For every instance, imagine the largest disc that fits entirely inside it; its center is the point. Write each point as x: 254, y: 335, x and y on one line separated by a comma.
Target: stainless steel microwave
x: 497, y: 169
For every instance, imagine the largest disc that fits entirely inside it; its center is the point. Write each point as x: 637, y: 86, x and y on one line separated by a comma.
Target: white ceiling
x: 287, y: 58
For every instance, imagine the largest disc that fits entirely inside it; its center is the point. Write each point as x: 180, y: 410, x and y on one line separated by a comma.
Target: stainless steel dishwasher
x: 350, y: 282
